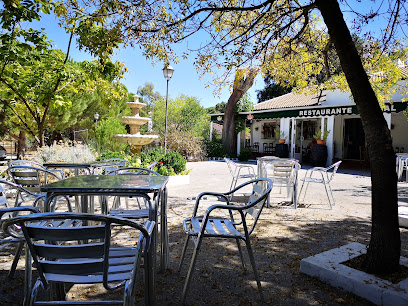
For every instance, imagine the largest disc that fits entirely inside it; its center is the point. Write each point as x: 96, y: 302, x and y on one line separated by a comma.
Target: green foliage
x: 170, y: 163
x: 219, y: 108
x: 272, y: 89
x: 104, y: 135
x: 244, y: 104
x: 318, y: 135
x: 108, y: 154
x: 215, y: 148
x: 245, y: 154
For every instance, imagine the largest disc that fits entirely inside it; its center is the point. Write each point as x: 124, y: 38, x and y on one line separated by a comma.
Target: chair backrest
x: 231, y: 166
x: 108, y: 165
x: 260, y: 192
x: 33, y: 178
x: 71, y: 246
x: 282, y: 172
x: 7, y: 210
x: 3, y: 196
x: 22, y: 162
x: 132, y: 171
x: 334, y: 169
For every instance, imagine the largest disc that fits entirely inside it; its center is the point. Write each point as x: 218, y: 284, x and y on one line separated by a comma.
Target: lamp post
x: 168, y: 73
x: 96, y: 117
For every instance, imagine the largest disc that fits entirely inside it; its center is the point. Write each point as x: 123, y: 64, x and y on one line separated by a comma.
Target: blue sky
x: 185, y: 79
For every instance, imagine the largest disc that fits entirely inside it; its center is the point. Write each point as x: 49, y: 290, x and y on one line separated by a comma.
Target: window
x: 268, y: 131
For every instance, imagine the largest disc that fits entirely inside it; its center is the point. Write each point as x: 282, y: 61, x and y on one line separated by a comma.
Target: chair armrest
x: 18, y: 209
x: 150, y: 225
x: 201, y: 195
x: 319, y: 169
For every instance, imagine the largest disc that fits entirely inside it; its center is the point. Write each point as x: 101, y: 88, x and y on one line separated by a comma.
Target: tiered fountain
x: 135, y: 139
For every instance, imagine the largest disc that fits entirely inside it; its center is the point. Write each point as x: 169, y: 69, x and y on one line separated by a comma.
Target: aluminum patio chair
x: 84, y: 249
x: 323, y: 176
x: 283, y: 173
x: 7, y: 211
x: 32, y: 178
x: 235, y: 170
x: 108, y: 165
x: 143, y: 201
x: 239, y: 225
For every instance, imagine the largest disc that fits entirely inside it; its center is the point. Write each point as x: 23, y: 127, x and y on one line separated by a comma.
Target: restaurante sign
x: 326, y: 111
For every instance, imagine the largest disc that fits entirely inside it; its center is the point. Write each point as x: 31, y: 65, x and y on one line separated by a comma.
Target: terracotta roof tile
x: 291, y: 100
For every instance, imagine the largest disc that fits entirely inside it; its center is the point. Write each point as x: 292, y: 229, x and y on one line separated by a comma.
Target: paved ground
x: 283, y: 237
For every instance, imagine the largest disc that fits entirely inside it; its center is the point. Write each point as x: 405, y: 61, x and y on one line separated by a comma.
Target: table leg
x: 164, y: 235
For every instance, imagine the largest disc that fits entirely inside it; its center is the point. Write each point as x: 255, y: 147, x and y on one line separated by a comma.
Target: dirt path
x: 283, y: 237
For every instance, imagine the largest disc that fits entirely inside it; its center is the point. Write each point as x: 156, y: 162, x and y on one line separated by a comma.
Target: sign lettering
x: 326, y: 111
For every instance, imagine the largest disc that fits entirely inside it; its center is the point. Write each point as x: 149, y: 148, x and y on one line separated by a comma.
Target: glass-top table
x: 118, y: 185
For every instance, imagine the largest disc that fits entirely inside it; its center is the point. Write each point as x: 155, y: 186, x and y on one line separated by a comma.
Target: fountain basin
x: 135, y: 120
x: 136, y: 139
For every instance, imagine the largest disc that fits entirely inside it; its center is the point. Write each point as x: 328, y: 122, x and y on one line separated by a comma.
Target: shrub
x: 64, y: 152
x: 104, y: 135
x: 215, y: 148
x: 112, y: 154
x: 245, y: 154
x: 171, y: 163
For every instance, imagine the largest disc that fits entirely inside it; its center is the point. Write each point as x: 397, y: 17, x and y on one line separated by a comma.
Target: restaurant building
x: 301, y: 116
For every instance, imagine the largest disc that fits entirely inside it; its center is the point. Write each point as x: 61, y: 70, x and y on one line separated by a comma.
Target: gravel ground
x: 282, y: 238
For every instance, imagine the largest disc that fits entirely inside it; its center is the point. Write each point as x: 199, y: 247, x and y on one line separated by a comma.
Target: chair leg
x: 251, y: 258
x: 329, y: 191
x: 15, y: 260
x: 300, y: 192
x: 307, y: 186
x: 190, y: 270
x: 328, y: 196
x: 183, y: 253
x: 240, y: 254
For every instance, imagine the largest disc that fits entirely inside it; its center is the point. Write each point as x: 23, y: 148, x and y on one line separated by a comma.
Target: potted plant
x: 319, y: 150
x: 318, y: 137
x: 280, y: 135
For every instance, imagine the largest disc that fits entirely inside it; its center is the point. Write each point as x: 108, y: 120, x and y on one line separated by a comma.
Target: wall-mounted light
x: 219, y: 118
x: 250, y: 116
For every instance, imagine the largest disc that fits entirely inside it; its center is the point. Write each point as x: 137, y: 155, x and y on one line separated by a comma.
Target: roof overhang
x: 311, y: 111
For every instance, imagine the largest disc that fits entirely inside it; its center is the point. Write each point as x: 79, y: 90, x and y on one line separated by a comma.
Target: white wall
x: 399, y: 131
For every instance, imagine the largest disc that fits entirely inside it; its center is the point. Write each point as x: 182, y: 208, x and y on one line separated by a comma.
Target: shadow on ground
x: 279, y: 244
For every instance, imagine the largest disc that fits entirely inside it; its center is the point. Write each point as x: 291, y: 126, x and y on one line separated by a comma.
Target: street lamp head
x: 96, y: 116
x: 168, y: 72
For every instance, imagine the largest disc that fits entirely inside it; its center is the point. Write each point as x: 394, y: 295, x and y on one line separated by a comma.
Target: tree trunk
x: 244, y: 79
x: 385, y: 245
x: 229, y: 134
x: 21, y: 145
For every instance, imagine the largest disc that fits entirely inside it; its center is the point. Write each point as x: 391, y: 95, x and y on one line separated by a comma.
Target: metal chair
x: 108, y: 165
x: 283, y: 173
x: 7, y: 212
x: 32, y: 178
x: 211, y: 225
x: 24, y: 162
x: 70, y: 248
x: 235, y: 170
x: 143, y: 201
x: 325, y: 176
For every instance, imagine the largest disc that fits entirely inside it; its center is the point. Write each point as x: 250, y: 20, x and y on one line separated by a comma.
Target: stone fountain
x: 135, y: 139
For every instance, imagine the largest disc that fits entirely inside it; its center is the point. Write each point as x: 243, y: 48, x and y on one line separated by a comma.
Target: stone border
x: 327, y: 267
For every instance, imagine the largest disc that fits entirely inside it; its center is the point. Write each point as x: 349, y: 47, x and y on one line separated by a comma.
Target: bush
x: 171, y: 163
x: 104, y: 135
x: 215, y: 148
x: 112, y: 154
x: 244, y: 155
x: 64, y: 152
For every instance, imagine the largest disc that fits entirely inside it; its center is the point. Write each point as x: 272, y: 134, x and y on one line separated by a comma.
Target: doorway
x: 354, y: 138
